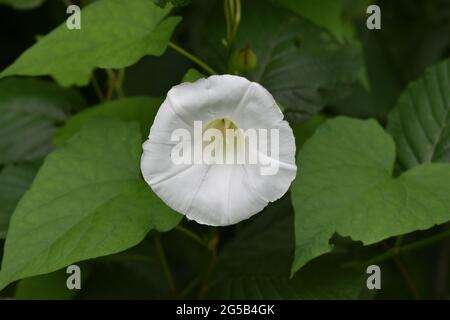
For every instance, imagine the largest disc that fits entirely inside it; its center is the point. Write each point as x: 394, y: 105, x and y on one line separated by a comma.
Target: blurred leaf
x: 14, y: 181
x: 304, y: 130
x: 303, y: 66
x: 378, y: 98
x: 256, y: 264
x: 50, y: 286
x: 415, y: 34
x: 114, y: 34
x: 139, y: 109
x: 325, y: 13
x: 22, y: 4
x: 88, y: 200
x: 345, y: 186
x: 192, y: 75
x: 131, y: 274
x: 30, y: 111
x: 420, y: 122
x: 175, y: 3
x: 170, y: 68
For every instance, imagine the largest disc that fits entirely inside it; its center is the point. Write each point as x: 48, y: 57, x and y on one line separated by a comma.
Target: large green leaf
x: 88, y: 200
x: 325, y: 13
x: 420, y: 122
x: 256, y: 264
x: 30, y: 111
x: 114, y: 34
x: 14, y: 181
x: 140, y: 109
x: 303, y: 66
x: 345, y: 186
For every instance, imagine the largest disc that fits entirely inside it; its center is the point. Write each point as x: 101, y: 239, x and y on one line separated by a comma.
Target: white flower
x: 219, y: 194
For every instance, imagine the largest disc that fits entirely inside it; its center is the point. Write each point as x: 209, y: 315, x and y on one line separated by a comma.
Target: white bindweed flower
x: 198, y: 167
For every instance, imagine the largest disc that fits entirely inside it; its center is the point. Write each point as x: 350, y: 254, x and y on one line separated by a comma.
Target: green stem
x: 236, y: 21
x: 120, y: 80
x: 191, y: 235
x: 409, y: 247
x: 190, y: 286
x: 213, y: 249
x: 165, y: 265
x: 192, y: 58
x: 111, y: 84
x: 96, y: 86
x: 404, y: 272
x: 228, y: 19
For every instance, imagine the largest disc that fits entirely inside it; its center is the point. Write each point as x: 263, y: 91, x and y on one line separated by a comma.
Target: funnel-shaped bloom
x: 198, y: 167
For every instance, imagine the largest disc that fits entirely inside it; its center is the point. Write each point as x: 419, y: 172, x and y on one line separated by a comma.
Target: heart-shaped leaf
x: 113, y: 34
x: 88, y: 200
x: 345, y: 186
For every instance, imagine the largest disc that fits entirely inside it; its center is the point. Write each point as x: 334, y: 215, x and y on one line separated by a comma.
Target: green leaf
x: 304, y: 130
x: 14, y: 181
x: 137, y: 267
x: 325, y: 13
x: 345, y: 186
x: 256, y: 264
x: 192, y: 75
x: 22, y: 4
x: 114, y: 34
x: 30, y: 111
x: 303, y: 66
x: 420, y: 121
x: 140, y: 109
x: 377, y: 98
x: 88, y: 200
x: 50, y: 286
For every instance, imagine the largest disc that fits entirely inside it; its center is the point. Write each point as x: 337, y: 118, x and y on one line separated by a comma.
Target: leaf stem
x: 236, y: 21
x: 111, y: 84
x: 232, y: 10
x: 192, y: 58
x: 409, y: 247
x: 119, y: 83
x: 190, y: 286
x: 165, y: 265
x: 115, y: 83
x: 228, y: 20
x: 190, y: 234
x: 213, y: 243
x: 96, y: 86
x: 405, y: 274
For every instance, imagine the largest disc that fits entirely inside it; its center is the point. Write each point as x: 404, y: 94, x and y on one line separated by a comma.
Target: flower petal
x: 219, y: 194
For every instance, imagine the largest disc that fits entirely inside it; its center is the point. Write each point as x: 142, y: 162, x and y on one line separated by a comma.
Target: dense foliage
x: 370, y: 110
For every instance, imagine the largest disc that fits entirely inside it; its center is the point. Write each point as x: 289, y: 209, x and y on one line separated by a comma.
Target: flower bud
x: 242, y: 61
